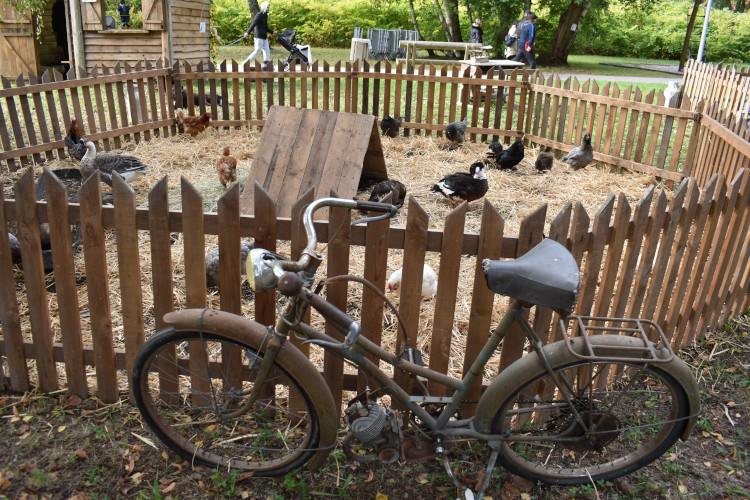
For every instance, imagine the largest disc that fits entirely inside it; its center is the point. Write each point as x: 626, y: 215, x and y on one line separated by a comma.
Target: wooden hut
x: 172, y: 29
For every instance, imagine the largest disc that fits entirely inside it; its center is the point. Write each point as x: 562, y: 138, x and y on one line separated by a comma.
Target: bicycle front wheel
x: 626, y: 416
x: 192, y: 388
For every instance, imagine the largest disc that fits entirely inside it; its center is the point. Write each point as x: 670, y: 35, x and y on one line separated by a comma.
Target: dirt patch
x: 53, y: 446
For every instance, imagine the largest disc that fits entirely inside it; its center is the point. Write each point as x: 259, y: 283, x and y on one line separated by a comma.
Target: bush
x: 658, y: 33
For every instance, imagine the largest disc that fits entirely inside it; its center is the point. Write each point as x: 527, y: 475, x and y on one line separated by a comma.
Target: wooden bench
x: 412, y: 46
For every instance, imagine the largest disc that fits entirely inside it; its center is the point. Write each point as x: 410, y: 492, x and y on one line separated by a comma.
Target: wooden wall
x: 17, y: 49
x: 188, y: 43
x: 108, y: 49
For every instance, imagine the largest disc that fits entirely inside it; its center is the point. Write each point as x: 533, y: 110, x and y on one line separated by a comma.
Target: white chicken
x: 429, y: 282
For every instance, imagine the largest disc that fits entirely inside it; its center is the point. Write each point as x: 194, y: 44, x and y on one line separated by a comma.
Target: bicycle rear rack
x: 656, y: 347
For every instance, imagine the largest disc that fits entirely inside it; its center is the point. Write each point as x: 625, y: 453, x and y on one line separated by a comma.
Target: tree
x: 567, y: 28
x: 448, y: 13
x: 253, y: 6
x: 689, y: 33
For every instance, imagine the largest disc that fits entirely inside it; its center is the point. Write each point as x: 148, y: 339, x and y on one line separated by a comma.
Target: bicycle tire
x: 179, y: 391
x: 637, y: 412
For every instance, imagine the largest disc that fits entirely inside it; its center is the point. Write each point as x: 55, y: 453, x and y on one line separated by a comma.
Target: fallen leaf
x: 380, y: 496
x: 169, y: 488
x: 480, y: 476
x: 145, y: 440
x: 683, y: 489
x: 23, y: 429
x: 73, y: 401
x: 370, y: 477
x: 61, y: 428
x: 164, y: 455
x: 80, y: 453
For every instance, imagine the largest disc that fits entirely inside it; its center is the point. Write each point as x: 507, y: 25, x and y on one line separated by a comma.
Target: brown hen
x: 226, y: 166
x: 194, y: 125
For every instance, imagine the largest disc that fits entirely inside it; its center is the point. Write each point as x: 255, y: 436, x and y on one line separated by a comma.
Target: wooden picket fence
x: 684, y: 263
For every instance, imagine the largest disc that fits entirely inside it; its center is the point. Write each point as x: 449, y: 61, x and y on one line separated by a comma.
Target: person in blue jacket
x: 124, y: 11
x: 526, y: 43
x: 260, y: 25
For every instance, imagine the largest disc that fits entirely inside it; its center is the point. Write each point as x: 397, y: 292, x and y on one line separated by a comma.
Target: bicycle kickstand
x: 466, y: 493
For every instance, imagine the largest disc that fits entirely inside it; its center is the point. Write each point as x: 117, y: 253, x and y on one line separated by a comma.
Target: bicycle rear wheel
x: 631, y: 414
x: 191, y: 388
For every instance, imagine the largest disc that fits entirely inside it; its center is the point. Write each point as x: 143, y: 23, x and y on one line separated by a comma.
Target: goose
x: 129, y: 167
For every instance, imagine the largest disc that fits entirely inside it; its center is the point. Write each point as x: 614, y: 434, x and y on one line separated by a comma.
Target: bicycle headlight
x: 263, y: 263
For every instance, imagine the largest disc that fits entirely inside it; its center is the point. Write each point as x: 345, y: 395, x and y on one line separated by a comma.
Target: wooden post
x: 76, y: 28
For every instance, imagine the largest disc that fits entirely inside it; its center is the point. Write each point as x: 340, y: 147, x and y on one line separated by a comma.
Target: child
x: 124, y: 11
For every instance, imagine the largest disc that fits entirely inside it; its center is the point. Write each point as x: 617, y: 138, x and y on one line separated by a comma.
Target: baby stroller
x: 296, y: 51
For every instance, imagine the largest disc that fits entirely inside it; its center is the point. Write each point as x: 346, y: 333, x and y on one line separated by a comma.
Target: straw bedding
x: 417, y: 161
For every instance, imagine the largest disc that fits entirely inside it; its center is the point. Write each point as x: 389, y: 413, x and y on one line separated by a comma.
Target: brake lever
x: 365, y: 220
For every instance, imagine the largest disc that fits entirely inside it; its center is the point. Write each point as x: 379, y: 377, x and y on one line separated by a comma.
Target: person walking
x: 512, y: 49
x: 260, y: 25
x: 476, y: 34
x: 526, y: 43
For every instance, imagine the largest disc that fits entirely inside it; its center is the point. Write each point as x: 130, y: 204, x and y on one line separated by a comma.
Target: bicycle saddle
x: 547, y: 275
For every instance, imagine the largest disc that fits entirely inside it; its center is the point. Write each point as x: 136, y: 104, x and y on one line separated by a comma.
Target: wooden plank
x: 529, y: 234
x: 129, y: 270
x: 95, y: 260
x: 408, y: 99
x: 654, y: 134
x: 109, y: 92
x: 632, y: 126
x: 23, y: 101
x: 445, y: 301
x: 582, y: 111
x: 5, y: 139
x: 387, y: 91
x: 482, y: 298
x: 621, y: 123
x: 326, y: 87
x: 151, y: 86
x: 266, y: 237
x: 337, y: 293
x: 558, y: 231
x: 337, y: 88
x: 100, y: 109
x: 431, y: 98
x: 376, y: 265
x: 410, y: 300
x: 563, y: 112
x: 65, y: 283
x: 12, y: 113
x: 166, y: 101
x: 611, y: 267
x: 418, y: 99
x: 609, y: 135
x: 455, y: 91
x: 592, y: 108
x: 10, y: 318
x: 33, y: 275
x: 124, y: 118
x: 594, y: 256
x: 230, y: 277
x: 41, y: 118
x: 643, y: 130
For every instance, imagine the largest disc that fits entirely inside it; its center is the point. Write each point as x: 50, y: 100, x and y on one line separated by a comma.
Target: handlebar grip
x: 374, y: 206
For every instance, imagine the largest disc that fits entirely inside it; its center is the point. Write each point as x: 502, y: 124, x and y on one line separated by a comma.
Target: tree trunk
x: 689, y: 33
x: 468, y: 12
x: 254, y: 7
x: 416, y: 26
x: 557, y: 55
x: 450, y: 8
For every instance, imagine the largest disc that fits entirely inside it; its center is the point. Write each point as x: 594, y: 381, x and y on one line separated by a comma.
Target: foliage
x: 35, y: 7
x: 136, y: 12
x: 659, y: 33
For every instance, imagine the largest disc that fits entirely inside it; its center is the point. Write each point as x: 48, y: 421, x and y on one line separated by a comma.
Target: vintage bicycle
x: 222, y: 390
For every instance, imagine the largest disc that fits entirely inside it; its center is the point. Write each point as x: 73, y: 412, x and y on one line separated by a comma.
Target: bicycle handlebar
x: 312, y: 237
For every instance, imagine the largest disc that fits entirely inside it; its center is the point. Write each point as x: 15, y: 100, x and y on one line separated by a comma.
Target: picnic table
x: 412, y: 46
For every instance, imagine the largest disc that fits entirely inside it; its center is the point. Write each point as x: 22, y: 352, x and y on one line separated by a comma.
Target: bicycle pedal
x: 412, y: 356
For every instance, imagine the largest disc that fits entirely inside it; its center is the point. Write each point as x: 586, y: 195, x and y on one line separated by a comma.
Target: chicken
x: 386, y: 187
x: 129, y: 167
x: 511, y: 157
x: 463, y: 186
x: 226, y: 166
x: 194, y: 125
x: 544, y: 161
x: 74, y: 143
x: 212, y: 262
x: 456, y: 131
x: 429, y: 282
x: 580, y: 156
x: 15, y: 249
x: 390, y: 126
x: 496, y: 150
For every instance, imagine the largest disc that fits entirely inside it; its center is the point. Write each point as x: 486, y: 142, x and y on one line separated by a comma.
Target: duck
x: 580, y: 156
x: 463, y: 186
x: 392, y: 187
x: 544, y: 161
x: 390, y: 126
x: 212, y: 262
x: 74, y: 143
x: 129, y: 167
x: 456, y: 132
x: 429, y: 281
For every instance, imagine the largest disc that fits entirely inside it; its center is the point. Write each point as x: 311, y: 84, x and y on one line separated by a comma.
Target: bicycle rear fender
x: 558, y: 354
x: 290, y: 358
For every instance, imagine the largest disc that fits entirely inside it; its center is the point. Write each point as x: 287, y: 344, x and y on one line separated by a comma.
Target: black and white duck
x: 129, y: 167
x: 463, y: 186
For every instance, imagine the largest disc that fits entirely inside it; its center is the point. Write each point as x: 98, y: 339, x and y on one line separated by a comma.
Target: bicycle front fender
x: 290, y: 358
x: 558, y: 354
